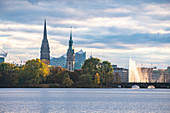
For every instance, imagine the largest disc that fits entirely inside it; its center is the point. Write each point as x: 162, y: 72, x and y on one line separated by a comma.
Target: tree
x: 56, y: 75
x: 85, y: 80
x: 117, y: 78
x: 97, y: 79
x: 21, y: 73
x: 56, y: 69
x: 106, y: 67
x: 68, y: 82
x: 6, y: 67
x: 8, y: 74
x: 35, y: 71
x: 91, y: 65
x: 74, y: 76
x: 109, y: 78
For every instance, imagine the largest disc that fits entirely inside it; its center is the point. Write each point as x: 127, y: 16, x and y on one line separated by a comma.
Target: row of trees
x: 94, y: 73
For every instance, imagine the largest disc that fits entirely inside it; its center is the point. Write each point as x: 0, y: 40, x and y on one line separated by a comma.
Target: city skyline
x: 113, y: 30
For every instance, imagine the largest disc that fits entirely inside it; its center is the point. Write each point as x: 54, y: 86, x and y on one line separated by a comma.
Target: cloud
x: 113, y: 30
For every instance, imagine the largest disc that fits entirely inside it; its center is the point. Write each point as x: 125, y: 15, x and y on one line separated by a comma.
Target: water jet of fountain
x: 137, y: 74
x: 133, y: 72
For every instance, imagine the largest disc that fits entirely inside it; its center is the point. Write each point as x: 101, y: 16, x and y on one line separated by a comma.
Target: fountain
x: 138, y: 74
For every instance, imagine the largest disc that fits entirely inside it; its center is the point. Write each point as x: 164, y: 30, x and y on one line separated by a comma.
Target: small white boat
x: 151, y: 87
x: 135, y: 87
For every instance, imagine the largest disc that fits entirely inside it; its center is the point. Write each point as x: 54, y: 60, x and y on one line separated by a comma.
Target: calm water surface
x: 37, y: 100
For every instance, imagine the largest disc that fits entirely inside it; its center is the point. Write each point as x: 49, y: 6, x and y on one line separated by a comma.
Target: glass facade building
x: 60, y: 61
x: 80, y: 57
x: 1, y: 59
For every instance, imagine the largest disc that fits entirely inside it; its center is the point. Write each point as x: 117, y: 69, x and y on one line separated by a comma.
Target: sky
x: 114, y: 30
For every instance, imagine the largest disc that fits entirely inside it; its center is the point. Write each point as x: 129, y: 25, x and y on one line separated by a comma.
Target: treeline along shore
x: 35, y: 73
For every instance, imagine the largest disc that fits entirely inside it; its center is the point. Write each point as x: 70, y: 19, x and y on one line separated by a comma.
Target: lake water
x: 79, y: 100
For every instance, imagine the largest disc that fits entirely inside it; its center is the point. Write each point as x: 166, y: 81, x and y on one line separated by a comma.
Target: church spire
x: 71, y: 41
x: 45, y: 31
x: 71, y: 33
x: 45, y: 49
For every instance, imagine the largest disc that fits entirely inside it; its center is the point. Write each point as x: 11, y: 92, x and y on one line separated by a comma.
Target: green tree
x: 74, y: 75
x: 8, y: 74
x: 91, y: 65
x: 21, y: 73
x: 35, y: 71
x: 68, y: 82
x: 106, y: 67
x: 117, y: 78
x: 6, y: 67
x: 86, y: 80
x: 109, y: 78
x: 97, y: 79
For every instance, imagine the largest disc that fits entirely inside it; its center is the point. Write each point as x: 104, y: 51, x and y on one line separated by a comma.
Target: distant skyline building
x: 80, y: 57
x: 124, y: 73
x: 70, y: 54
x: 60, y: 61
x: 2, y: 59
x: 45, y: 49
x: 2, y: 56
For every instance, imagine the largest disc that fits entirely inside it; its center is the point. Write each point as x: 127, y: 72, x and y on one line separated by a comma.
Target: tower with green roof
x: 70, y: 54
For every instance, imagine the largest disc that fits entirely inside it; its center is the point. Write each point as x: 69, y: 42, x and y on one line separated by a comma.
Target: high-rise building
x: 70, y: 54
x: 1, y: 59
x: 80, y: 57
x: 45, y: 49
x: 2, y: 56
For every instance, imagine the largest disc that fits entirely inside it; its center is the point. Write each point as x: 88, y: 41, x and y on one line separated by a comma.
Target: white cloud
x: 97, y: 19
x: 157, y: 10
x: 117, y: 10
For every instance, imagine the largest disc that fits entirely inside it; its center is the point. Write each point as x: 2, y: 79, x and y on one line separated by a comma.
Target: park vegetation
x: 35, y: 73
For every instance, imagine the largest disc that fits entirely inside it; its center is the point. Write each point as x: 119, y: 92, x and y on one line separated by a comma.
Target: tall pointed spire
x: 45, y: 30
x: 45, y: 50
x: 70, y: 41
x: 71, y: 33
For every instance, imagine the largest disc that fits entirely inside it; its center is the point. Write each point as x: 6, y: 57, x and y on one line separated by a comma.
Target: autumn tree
x: 56, y: 74
x: 97, y: 79
x: 35, y: 71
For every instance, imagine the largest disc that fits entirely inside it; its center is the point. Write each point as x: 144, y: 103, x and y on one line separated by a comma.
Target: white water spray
x: 137, y: 74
